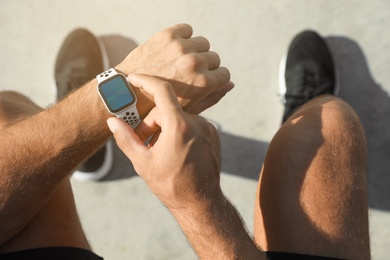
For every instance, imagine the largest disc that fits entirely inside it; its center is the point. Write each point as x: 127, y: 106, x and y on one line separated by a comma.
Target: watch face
x: 116, y: 93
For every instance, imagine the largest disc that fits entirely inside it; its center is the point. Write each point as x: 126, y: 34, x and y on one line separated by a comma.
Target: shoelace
x: 310, y: 84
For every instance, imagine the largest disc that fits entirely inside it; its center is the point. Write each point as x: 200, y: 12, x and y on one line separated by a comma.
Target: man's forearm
x: 39, y: 152
x: 216, y: 231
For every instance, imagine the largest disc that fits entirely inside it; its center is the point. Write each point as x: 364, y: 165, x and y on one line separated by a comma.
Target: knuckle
x: 179, y: 127
x: 122, y: 142
x: 184, y: 127
x: 168, y: 32
x: 202, y: 80
x: 188, y: 63
x: 192, y: 60
x: 165, y: 86
x: 165, y: 36
x: 177, y: 46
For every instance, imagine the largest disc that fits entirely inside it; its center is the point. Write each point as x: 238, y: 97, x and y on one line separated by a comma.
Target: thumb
x: 126, y: 139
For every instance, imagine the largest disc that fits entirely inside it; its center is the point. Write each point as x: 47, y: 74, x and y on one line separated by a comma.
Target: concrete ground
x: 122, y: 218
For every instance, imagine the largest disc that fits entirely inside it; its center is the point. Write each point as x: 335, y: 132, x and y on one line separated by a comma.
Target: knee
x: 340, y: 130
x: 329, y: 123
x: 339, y: 120
x: 331, y: 115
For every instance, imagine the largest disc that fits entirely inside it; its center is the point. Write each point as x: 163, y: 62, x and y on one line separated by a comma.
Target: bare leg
x: 57, y: 224
x: 312, y: 193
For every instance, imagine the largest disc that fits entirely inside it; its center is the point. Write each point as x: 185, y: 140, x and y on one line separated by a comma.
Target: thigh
x: 312, y: 192
x: 56, y: 225
x: 57, y: 222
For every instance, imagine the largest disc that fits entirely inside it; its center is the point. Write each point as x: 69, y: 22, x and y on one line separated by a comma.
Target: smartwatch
x: 118, y: 96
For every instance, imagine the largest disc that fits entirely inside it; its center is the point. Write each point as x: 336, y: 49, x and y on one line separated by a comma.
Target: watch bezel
x: 128, y: 85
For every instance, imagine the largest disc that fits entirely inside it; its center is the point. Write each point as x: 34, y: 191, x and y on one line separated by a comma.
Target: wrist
x: 214, y: 228
x: 98, y: 112
x: 198, y: 201
x: 90, y: 96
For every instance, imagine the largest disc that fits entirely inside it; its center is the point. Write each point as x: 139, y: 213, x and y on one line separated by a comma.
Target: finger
x: 126, y: 139
x: 183, y: 30
x: 211, y: 99
x: 154, y: 139
x: 212, y: 59
x: 162, y: 92
x: 198, y: 44
x: 219, y: 77
x: 148, y: 126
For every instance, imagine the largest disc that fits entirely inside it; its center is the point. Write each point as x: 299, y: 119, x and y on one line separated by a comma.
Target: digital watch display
x: 118, y: 96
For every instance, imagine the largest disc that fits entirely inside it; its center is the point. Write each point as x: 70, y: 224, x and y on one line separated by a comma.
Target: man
x: 312, y: 197
x: 312, y: 193
x: 40, y: 148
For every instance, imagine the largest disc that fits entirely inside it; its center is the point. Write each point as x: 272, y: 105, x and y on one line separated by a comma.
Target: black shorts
x: 71, y: 253
x: 290, y: 256
x: 57, y: 253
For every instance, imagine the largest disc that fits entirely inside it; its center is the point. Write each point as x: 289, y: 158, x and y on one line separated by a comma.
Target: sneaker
x: 307, y: 71
x: 79, y: 60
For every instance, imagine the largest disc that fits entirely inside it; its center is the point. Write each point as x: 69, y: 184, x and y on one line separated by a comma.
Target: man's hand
x: 186, y: 62
x: 170, y: 164
x: 181, y: 166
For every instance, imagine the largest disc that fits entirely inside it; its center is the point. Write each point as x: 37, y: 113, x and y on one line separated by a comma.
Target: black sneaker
x: 79, y: 60
x: 306, y: 72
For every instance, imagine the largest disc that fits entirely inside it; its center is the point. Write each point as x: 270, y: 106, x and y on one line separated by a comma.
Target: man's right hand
x: 186, y: 62
x: 181, y: 165
x: 184, y: 153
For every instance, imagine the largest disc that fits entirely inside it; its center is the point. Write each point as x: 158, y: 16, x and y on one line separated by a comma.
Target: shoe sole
x: 282, y: 78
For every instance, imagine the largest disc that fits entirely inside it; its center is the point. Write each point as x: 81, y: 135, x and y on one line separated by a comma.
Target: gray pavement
x: 122, y: 218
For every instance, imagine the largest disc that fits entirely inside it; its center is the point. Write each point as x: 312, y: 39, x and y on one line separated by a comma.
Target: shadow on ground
x: 240, y: 156
x: 243, y: 157
x: 372, y: 103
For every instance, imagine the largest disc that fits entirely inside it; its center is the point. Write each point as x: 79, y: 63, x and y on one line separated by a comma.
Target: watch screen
x: 116, y: 94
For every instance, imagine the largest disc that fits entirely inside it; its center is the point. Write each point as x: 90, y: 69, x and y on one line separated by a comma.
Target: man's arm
x: 181, y: 166
x: 38, y: 153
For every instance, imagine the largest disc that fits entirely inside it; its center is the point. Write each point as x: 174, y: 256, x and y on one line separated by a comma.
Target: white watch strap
x: 130, y: 115
x: 106, y: 74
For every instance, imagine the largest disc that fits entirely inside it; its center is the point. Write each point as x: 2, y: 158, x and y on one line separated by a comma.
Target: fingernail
x: 230, y: 85
x: 111, y: 122
x: 130, y: 76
